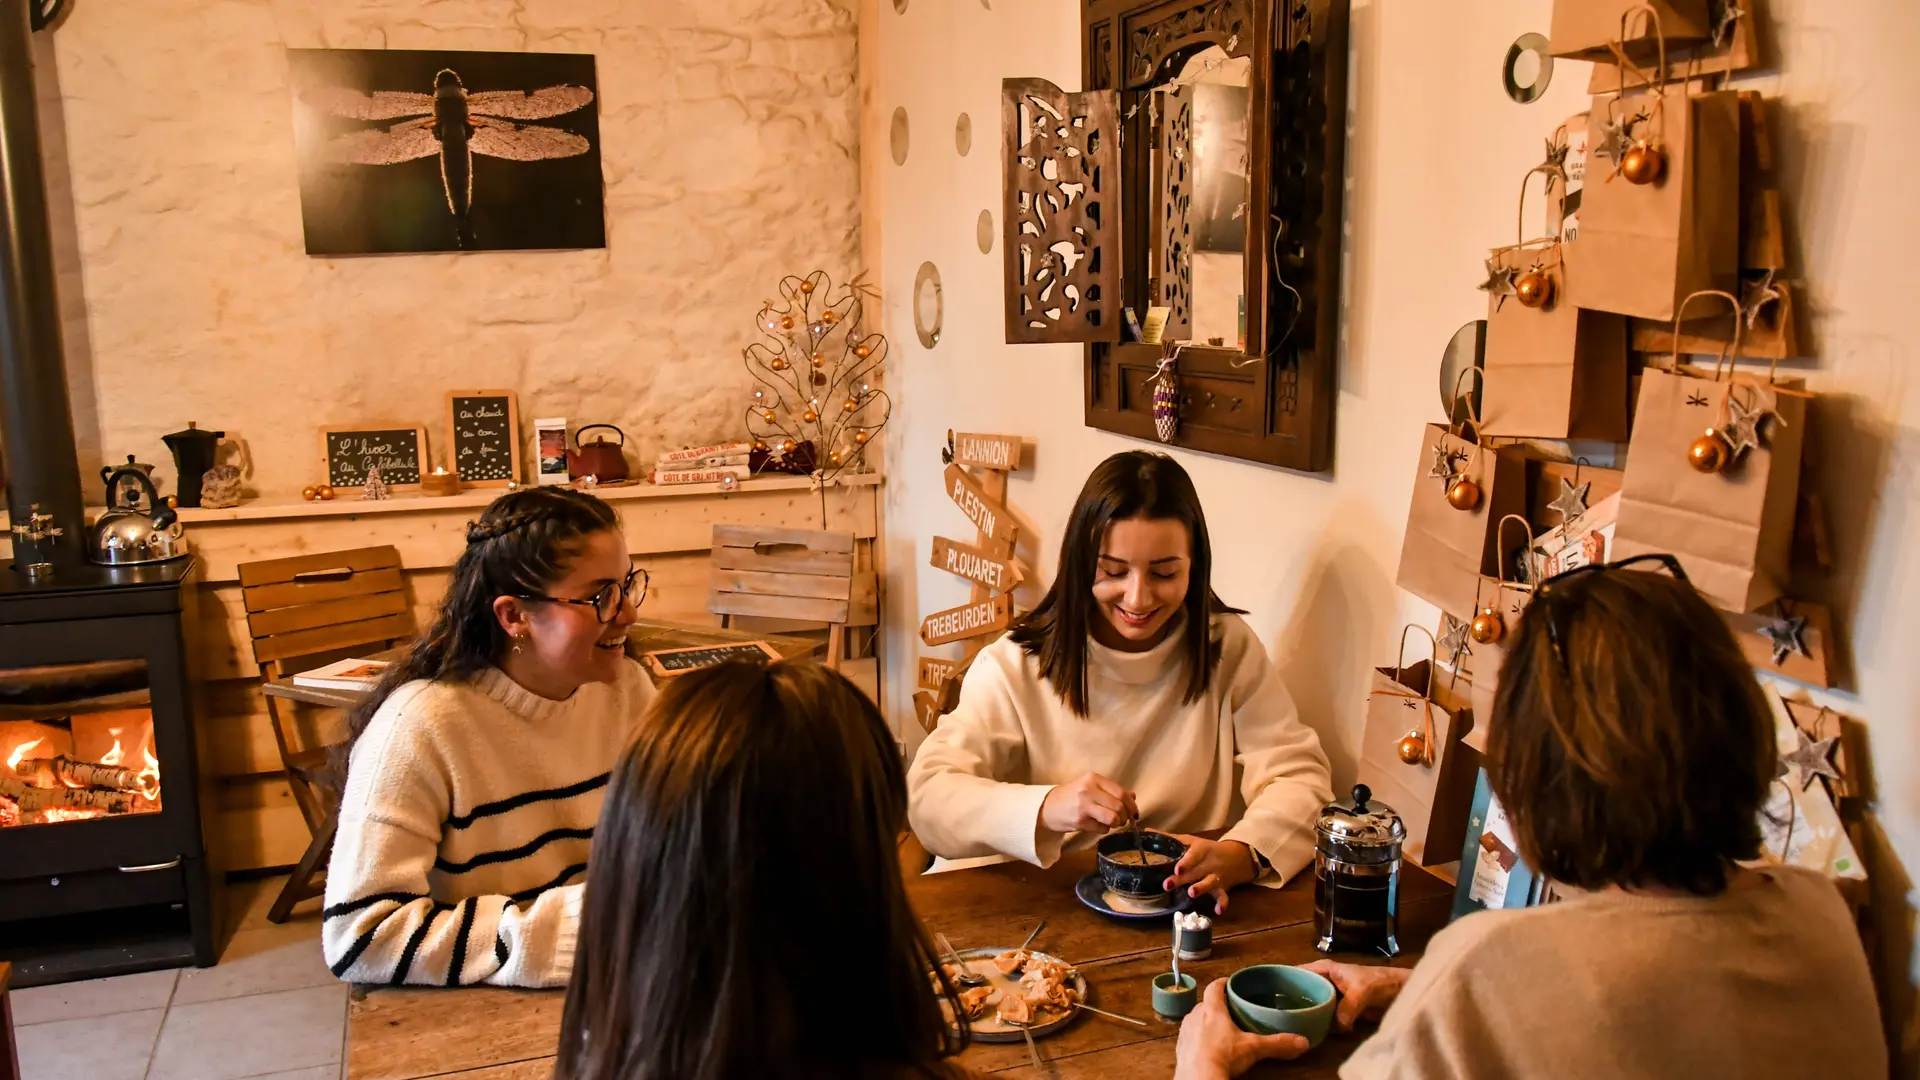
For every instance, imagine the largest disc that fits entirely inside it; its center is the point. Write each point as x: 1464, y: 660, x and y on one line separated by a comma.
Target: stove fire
x: 72, y: 756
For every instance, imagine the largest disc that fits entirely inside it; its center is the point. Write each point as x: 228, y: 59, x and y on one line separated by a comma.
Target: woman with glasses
x: 476, y: 769
x: 1633, y: 751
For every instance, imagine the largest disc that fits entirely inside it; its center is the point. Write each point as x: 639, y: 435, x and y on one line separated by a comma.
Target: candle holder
x: 440, y: 482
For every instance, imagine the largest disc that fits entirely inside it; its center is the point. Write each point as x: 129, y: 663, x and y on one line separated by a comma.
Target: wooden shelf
x: 475, y: 498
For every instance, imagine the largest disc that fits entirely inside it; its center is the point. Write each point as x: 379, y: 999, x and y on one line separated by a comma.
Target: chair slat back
x: 329, y: 602
x: 800, y: 574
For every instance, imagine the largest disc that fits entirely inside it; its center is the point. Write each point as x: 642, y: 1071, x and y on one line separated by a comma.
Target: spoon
x: 1116, y: 1016
x: 1176, y: 952
x: 966, y: 976
x: 1139, y: 845
x: 1030, y: 937
x: 1032, y: 1050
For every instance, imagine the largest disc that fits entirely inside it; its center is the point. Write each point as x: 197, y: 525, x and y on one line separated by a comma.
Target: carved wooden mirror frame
x: 1274, y: 401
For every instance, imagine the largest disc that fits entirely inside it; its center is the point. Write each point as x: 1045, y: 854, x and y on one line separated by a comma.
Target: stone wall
x: 729, y: 133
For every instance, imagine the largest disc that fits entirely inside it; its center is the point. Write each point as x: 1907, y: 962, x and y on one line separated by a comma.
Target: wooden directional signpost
x: 976, y: 480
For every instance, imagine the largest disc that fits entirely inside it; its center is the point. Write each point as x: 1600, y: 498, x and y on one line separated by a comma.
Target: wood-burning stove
x: 102, y: 868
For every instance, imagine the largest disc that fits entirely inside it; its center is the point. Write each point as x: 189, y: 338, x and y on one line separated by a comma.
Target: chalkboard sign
x: 483, y: 436
x: 666, y: 663
x: 397, y: 449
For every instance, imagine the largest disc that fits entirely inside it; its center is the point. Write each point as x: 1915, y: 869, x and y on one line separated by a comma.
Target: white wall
x: 1434, y: 158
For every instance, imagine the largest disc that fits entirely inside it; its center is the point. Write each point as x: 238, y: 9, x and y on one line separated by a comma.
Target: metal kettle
x: 600, y: 459
x: 127, y: 535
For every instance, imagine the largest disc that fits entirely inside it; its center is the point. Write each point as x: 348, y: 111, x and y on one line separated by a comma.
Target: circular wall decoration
x: 897, y: 135
x: 928, y: 307
x: 963, y: 134
x: 1468, y: 349
x: 1529, y: 68
x: 984, y: 232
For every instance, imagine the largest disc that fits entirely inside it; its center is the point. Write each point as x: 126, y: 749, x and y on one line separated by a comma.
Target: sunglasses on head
x: 1641, y: 563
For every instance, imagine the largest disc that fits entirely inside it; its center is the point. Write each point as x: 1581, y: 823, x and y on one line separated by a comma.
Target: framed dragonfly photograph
x: 412, y: 151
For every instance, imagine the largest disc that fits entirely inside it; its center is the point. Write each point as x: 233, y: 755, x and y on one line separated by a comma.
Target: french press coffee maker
x: 1356, y: 875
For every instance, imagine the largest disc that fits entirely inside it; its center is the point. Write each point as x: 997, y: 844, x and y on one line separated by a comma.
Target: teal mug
x: 1174, y: 999
x: 1273, y: 999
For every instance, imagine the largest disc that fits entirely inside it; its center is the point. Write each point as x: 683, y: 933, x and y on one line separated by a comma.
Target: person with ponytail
x: 476, y: 769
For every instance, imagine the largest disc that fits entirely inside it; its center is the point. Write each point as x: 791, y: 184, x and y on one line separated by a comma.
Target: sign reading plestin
x: 973, y: 564
x: 987, y: 451
x: 987, y: 516
x: 967, y: 620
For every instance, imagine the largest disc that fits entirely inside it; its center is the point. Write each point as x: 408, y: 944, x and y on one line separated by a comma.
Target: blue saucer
x: 1093, y: 892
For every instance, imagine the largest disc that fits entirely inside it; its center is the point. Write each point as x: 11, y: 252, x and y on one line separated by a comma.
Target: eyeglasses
x: 1544, y: 593
x: 607, y: 602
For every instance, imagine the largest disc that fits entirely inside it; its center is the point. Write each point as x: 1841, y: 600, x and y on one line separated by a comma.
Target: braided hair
x: 523, y: 542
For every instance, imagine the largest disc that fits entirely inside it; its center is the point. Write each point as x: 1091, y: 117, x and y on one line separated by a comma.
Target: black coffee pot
x: 193, y: 454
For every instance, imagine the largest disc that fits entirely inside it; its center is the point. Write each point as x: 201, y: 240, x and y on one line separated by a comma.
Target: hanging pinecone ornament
x: 376, y: 488
x: 1166, y: 401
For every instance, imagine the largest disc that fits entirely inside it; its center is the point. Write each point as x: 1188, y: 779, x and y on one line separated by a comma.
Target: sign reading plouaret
x: 976, y: 481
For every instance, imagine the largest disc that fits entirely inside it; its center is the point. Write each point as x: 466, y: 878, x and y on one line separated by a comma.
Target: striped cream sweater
x: 464, y: 831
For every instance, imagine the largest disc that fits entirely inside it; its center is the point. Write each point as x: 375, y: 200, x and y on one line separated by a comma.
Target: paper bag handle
x: 1426, y: 697
x: 1473, y: 414
x: 1726, y: 351
x: 1520, y: 216
x: 1500, y: 539
x: 1618, y: 48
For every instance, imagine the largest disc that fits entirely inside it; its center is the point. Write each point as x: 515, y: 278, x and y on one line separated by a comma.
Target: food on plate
x: 1046, y: 985
x: 1014, y: 1010
x: 974, y: 1002
x: 1010, y: 962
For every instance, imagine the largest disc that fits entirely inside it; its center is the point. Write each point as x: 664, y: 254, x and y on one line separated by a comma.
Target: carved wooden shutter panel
x: 1060, y: 219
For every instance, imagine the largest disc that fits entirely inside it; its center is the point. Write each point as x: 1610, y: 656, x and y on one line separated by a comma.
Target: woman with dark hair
x: 476, y: 769
x: 1131, y: 689
x: 745, y: 913
x: 1632, y: 750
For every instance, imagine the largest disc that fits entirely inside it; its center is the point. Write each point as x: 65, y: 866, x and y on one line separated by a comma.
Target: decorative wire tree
x: 815, y: 408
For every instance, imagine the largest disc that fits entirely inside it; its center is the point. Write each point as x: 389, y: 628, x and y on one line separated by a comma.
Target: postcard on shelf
x: 352, y: 673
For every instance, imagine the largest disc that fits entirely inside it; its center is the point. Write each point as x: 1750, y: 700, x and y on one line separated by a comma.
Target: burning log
x: 55, y: 771
x: 30, y: 799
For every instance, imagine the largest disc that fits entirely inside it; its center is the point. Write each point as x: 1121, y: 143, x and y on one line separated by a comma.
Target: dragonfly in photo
x: 455, y: 125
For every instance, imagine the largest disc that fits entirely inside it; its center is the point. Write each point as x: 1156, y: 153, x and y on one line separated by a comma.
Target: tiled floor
x: 269, y: 1010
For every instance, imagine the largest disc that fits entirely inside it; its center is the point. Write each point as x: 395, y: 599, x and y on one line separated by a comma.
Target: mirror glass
x: 1202, y: 165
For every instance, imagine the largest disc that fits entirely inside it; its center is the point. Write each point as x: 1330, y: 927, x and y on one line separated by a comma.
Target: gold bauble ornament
x: 1642, y: 163
x: 760, y: 445
x: 309, y: 493
x: 1533, y: 289
x: 818, y: 360
x: 1413, y: 748
x: 806, y: 286
x: 860, y: 436
x: 1463, y: 494
x: 809, y: 416
x: 767, y: 415
x: 862, y: 351
x: 786, y: 322
x: 778, y: 363
x: 828, y: 317
x: 786, y: 446
x: 1709, y: 453
x: 849, y: 405
x: 835, y: 456
x: 326, y: 492
x: 1488, y: 627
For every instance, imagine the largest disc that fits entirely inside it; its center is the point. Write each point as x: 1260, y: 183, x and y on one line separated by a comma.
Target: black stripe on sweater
x: 413, y: 946
x: 351, y: 906
x: 346, y: 962
x: 501, y: 806
x: 525, y: 895
x: 510, y: 854
x: 499, y: 951
x: 458, y: 965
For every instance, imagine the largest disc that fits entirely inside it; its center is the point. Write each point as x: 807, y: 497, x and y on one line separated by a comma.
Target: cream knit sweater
x: 1765, y: 981
x: 464, y: 831
x: 1239, y: 756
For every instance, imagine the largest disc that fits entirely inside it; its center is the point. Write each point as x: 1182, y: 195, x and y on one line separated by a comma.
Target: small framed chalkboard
x: 399, y: 450
x: 483, y: 436
x: 666, y: 663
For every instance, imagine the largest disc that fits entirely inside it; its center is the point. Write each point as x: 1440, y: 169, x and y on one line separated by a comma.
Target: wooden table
x: 495, y: 1034
x: 645, y: 636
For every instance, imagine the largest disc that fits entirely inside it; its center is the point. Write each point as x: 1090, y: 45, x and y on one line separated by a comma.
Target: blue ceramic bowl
x: 1271, y: 999
x: 1173, y: 1000
x: 1135, y: 880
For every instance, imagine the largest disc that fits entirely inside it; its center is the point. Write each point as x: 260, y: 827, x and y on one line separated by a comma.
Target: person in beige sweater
x: 1131, y: 689
x: 1633, y: 751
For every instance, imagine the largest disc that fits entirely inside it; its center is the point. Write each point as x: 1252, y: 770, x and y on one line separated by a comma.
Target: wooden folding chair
x: 9, y: 1051
x: 299, y: 609
x: 800, y: 575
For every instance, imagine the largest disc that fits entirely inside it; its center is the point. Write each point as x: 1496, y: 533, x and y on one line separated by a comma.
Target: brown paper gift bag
x: 1498, y: 606
x: 1555, y: 370
x: 1642, y: 248
x: 1432, y: 792
x: 1732, y: 530
x: 1446, y: 549
x: 1592, y: 29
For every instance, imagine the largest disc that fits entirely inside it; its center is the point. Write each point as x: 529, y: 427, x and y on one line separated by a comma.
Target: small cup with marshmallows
x: 1195, y: 935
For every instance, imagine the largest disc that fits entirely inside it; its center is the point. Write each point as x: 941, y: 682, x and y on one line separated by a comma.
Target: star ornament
x: 1730, y: 14
x: 1813, y: 758
x: 1443, y: 462
x: 1499, y: 282
x: 1757, y: 295
x: 1742, y: 429
x: 1572, y: 501
x: 1787, y: 635
x: 1453, y: 640
x: 1557, y: 155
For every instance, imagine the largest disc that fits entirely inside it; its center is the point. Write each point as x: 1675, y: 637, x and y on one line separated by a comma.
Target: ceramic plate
x: 989, y: 1028
x: 1094, y: 893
